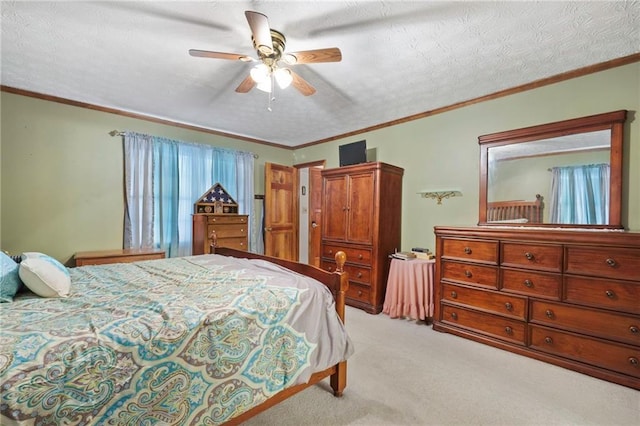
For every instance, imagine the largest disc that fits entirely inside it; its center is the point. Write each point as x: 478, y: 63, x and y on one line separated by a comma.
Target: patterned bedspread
x: 194, y: 340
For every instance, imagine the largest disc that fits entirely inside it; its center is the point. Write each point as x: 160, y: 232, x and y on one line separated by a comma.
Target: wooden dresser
x: 570, y: 298
x: 362, y: 208
x: 231, y: 230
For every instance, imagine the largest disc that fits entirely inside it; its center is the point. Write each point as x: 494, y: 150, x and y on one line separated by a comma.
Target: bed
x: 209, y: 339
x: 515, y: 211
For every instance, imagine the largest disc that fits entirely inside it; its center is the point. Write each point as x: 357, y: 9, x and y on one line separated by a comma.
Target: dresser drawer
x: 541, y: 257
x: 609, y: 325
x: 228, y: 231
x: 359, y: 292
x: 487, y: 301
x: 491, y: 325
x: 621, y: 296
x: 613, y: 356
x: 473, y: 250
x: 226, y: 219
x: 469, y: 273
x: 356, y: 273
x: 530, y: 283
x: 354, y: 255
x: 620, y: 263
x: 234, y: 243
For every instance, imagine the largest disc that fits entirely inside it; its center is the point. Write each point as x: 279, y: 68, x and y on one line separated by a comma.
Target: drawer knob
x: 454, y: 315
x: 360, y: 256
x: 633, y: 360
x: 359, y: 274
x: 549, y: 313
x: 359, y: 292
x: 610, y: 294
x: 468, y: 274
x: 633, y: 329
x: 528, y: 283
x: 454, y: 295
x: 528, y: 255
x: 548, y: 340
x: 467, y: 250
x: 330, y: 251
x: 509, y: 306
x: 508, y: 330
x: 611, y: 262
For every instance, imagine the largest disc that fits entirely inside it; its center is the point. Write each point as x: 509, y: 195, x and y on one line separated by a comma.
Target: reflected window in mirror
x: 559, y: 174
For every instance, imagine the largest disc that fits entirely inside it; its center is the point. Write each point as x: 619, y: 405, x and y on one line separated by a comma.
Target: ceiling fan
x: 273, y: 60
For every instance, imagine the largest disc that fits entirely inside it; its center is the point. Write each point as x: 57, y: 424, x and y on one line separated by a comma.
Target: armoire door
x: 360, y: 208
x: 334, y: 208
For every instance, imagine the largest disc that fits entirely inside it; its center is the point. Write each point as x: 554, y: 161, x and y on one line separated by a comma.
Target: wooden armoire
x: 362, y: 209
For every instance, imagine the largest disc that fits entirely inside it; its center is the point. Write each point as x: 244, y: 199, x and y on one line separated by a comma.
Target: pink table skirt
x: 410, y: 289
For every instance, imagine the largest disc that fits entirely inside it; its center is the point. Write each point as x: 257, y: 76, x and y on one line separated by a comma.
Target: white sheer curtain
x: 138, y: 174
x: 180, y: 173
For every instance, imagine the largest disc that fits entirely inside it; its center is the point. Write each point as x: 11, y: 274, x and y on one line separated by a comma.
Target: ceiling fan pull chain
x: 270, y: 94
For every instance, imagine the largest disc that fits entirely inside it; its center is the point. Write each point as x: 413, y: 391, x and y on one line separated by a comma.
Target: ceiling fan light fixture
x: 265, y: 85
x: 260, y: 73
x: 283, y: 77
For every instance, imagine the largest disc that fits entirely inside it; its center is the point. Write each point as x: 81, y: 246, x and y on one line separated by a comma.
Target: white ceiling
x: 399, y: 58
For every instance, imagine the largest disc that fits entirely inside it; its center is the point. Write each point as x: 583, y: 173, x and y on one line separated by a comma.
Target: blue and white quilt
x: 194, y: 340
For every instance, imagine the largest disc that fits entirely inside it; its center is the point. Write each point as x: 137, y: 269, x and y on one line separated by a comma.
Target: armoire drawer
x: 621, y: 296
x: 608, y: 262
x: 228, y: 231
x: 356, y: 273
x: 354, y: 255
x: 532, y: 256
x: 470, y: 273
x: 609, y: 325
x: 472, y: 250
x: 487, y: 301
x: 359, y: 292
x: 530, y: 283
x: 222, y: 219
x: 613, y: 356
x: 491, y: 325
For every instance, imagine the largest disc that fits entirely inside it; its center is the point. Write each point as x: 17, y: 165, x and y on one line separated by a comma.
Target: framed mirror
x: 562, y: 174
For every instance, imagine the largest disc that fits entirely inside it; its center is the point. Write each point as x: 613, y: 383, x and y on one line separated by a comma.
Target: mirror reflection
x: 566, y: 174
x: 566, y: 178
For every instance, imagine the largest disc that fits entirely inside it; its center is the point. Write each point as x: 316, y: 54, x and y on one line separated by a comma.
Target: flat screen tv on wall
x: 353, y: 153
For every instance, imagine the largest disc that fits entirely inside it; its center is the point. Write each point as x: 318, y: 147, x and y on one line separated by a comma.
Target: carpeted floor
x: 404, y: 373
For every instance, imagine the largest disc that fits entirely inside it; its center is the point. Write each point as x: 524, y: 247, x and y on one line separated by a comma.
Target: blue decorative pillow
x: 9, y: 278
x: 44, y: 275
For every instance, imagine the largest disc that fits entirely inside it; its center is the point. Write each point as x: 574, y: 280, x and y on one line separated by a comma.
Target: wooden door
x: 360, y: 207
x: 315, y: 215
x: 281, y: 211
x: 334, y: 207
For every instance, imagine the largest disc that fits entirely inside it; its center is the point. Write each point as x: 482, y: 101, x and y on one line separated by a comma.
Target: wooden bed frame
x: 515, y: 209
x: 338, y: 283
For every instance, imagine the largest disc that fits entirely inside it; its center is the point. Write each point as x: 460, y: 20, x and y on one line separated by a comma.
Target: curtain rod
x: 119, y: 133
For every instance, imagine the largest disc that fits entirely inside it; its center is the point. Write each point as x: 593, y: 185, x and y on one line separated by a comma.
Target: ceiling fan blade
x: 246, y: 85
x: 302, y: 85
x: 331, y: 54
x: 220, y: 55
x: 259, y: 25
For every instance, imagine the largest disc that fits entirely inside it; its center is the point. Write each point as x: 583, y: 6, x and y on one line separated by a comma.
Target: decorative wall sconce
x: 440, y: 194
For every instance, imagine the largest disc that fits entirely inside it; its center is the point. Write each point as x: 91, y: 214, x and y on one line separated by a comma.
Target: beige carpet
x: 404, y: 373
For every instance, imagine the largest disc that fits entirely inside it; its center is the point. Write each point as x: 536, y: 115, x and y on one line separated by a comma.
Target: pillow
x: 9, y: 278
x: 45, y: 276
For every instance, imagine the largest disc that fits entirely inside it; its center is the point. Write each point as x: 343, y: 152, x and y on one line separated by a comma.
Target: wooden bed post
x: 213, y: 242
x: 338, y: 380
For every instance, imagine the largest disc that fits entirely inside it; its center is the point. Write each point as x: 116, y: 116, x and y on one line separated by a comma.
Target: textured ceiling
x: 399, y: 58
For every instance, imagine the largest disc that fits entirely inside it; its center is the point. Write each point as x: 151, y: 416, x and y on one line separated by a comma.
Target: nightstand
x: 102, y: 257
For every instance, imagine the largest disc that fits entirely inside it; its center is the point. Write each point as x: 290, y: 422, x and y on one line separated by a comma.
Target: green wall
x: 442, y: 151
x: 61, y: 175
